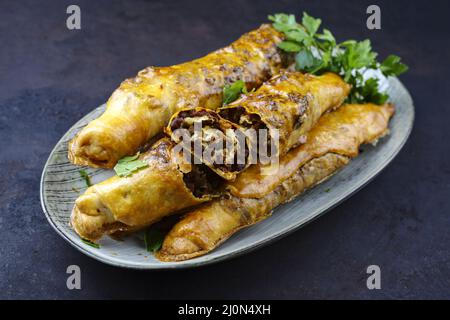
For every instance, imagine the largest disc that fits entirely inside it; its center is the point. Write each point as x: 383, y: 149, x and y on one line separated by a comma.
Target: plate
x: 61, y: 184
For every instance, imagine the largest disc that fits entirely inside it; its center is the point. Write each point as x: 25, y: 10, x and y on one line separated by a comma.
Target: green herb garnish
x: 127, y: 165
x: 232, y: 91
x: 317, y: 53
x: 90, y: 243
x: 153, y: 239
x: 86, y: 177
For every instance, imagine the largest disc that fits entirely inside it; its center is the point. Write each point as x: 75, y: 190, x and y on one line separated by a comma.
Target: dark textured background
x: 50, y: 77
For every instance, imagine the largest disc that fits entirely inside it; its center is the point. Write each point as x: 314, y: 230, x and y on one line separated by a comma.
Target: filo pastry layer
x: 122, y: 204
x: 287, y: 107
x: 253, y: 196
x: 163, y: 188
x: 142, y: 106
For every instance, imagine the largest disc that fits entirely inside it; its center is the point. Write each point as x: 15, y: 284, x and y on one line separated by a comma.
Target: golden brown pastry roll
x: 287, y: 106
x: 330, y: 146
x: 166, y: 186
x: 341, y: 132
x: 142, y: 106
x: 205, y: 136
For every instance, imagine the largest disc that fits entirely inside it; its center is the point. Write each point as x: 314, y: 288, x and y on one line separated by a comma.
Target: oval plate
x: 61, y: 184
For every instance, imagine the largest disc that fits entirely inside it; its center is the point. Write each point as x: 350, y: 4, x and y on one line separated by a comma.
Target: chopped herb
x: 153, y: 239
x: 90, y: 243
x: 289, y: 46
x: 127, y: 165
x: 327, y: 190
x: 317, y: 53
x: 392, y: 66
x: 232, y: 91
x: 86, y: 177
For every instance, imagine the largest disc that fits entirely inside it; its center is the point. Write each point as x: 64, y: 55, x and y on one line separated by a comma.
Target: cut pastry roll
x: 166, y: 186
x: 251, y: 198
x: 141, y: 107
x: 274, y: 118
x: 207, y: 138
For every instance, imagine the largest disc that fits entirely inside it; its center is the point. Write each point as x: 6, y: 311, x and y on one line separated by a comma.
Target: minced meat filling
x: 240, y: 116
x: 211, y: 132
x: 202, y: 181
x: 246, y: 120
x: 186, y: 119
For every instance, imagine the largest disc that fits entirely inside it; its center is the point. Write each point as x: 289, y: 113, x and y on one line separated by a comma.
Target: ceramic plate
x: 61, y: 184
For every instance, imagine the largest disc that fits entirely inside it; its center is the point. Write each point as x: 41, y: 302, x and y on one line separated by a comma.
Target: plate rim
x: 240, y: 251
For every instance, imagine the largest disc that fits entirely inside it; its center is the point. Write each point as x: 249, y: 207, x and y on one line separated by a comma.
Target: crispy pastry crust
x: 341, y: 132
x: 331, y: 145
x: 123, y: 203
x: 118, y: 204
x: 290, y: 104
x: 213, y: 129
x: 142, y: 106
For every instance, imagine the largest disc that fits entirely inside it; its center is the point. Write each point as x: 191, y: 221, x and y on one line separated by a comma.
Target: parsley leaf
x: 391, y: 66
x: 366, y: 91
x: 305, y: 60
x: 311, y: 24
x: 284, y: 22
x: 232, y: 91
x: 298, y: 35
x: 358, y: 55
x: 372, y: 93
x: 319, y: 52
x: 90, y: 243
x: 127, y: 165
x: 153, y: 240
x: 289, y: 46
x: 327, y: 36
x: 85, y: 176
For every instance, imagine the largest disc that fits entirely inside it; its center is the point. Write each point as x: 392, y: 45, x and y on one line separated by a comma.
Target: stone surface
x: 51, y: 76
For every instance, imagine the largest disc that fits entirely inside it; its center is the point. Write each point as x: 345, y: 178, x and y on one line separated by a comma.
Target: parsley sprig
x: 90, y: 243
x: 85, y: 176
x: 232, y: 91
x: 153, y: 239
x: 128, y: 165
x: 317, y: 53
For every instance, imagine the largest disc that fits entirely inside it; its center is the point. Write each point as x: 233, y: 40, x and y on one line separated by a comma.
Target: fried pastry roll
x: 287, y: 107
x: 253, y: 196
x: 166, y: 186
x: 211, y: 140
x: 142, y: 106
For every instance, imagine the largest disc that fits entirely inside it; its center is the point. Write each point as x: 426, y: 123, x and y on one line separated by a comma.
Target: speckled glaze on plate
x: 61, y: 184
